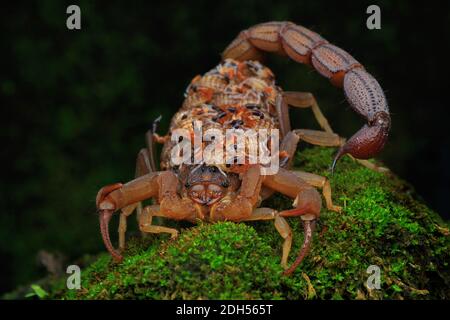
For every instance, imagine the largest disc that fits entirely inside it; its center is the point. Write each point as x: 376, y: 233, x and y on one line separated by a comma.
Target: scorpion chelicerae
x: 240, y: 93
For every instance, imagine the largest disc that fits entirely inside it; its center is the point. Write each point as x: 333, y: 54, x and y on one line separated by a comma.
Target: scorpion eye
x: 187, y: 185
x: 225, y: 184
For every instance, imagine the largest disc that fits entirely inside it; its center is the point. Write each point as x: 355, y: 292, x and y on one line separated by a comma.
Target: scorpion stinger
x: 362, y: 91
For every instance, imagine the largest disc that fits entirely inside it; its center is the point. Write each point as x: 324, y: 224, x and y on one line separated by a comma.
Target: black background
x: 76, y: 104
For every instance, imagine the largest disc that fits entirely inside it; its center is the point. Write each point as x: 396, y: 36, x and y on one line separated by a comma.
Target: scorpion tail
x: 302, y: 45
x: 368, y: 141
x: 308, y: 227
x: 366, y: 98
x: 105, y: 217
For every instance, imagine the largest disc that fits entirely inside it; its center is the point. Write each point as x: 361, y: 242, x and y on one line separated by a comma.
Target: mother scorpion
x: 240, y: 93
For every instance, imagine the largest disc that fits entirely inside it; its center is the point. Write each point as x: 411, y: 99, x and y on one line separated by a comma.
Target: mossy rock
x: 382, y: 224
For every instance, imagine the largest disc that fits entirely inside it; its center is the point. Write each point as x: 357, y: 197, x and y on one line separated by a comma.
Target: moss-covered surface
x: 382, y: 224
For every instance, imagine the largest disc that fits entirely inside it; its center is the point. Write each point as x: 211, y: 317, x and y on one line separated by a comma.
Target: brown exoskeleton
x: 240, y: 93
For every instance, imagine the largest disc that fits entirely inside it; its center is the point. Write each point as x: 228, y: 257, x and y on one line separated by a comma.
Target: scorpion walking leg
x: 149, y: 162
x: 145, y: 222
x: 321, y: 138
x: 285, y: 231
x: 315, y: 137
x: 289, y: 146
x: 307, y: 205
x: 143, y: 167
x: 151, y: 137
x: 322, y: 183
x: 145, y: 163
x: 305, y: 100
x: 281, y: 225
x: 333, y: 140
x: 370, y: 165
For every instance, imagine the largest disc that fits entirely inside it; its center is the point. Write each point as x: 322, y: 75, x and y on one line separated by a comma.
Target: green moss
x: 218, y: 261
x: 382, y: 224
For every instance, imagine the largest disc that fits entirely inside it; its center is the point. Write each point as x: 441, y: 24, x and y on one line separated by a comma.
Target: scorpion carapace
x: 240, y: 93
x: 205, y: 185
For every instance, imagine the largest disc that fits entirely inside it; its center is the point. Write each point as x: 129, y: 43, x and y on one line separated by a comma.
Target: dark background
x: 76, y: 104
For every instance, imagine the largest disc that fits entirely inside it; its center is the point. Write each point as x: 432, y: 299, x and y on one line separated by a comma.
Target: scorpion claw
x: 308, y: 227
x: 106, y: 205
x: 105, y: 217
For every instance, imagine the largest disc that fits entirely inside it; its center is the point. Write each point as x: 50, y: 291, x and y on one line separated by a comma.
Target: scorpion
x: 240, y: 93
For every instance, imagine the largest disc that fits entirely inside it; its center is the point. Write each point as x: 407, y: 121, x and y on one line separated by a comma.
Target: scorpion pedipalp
x: 308, y: 227
x: 105, y: 217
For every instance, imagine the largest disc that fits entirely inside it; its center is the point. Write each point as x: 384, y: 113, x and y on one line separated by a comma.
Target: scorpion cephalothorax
x: 240, y: 93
